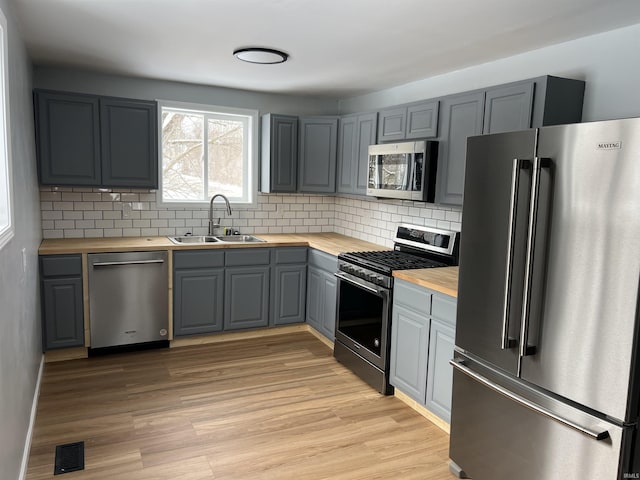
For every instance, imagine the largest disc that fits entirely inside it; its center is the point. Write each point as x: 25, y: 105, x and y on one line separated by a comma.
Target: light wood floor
x: 273, y: 408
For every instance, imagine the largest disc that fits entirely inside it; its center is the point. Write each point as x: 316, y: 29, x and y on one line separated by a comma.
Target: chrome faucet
x: 213, y: 225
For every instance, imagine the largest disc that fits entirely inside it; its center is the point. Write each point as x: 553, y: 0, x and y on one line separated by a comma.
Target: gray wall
x: 20, y: 345
x: 114, y: 85
x: 608, y: 62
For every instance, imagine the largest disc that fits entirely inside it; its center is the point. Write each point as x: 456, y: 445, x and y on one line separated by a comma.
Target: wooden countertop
x: 332, y: 243
x: 443, y: 280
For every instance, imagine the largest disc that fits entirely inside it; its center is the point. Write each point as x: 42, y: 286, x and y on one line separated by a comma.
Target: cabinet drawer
x: 61, y: 265
x: 248, y: 256
x: 290, y: 255
x: 198, y: 259
x: 444, y: 308
x: 323, y: 260
x: 412, y: 296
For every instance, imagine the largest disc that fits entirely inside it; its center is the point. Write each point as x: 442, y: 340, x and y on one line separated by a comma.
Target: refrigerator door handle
x: 538, y: 165
x: 518, y: 165
x: 598, y: 434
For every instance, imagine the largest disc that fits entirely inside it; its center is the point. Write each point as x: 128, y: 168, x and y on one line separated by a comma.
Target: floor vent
x: 69, y: 458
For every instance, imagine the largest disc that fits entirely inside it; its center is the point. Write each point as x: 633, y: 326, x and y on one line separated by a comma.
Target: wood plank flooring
x: 274, y: 408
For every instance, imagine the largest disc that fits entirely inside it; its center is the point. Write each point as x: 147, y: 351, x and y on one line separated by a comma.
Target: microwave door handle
x: 408, y: 174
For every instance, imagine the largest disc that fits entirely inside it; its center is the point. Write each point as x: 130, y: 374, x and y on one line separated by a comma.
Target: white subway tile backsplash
x: 83, y: 211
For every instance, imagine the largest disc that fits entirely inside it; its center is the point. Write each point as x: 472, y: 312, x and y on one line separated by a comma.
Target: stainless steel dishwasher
x: 127, y: 298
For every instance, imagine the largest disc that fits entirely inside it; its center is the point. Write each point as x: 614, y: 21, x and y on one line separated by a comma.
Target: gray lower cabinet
x: 198, y: 301
x: 288, y: 285
x: 246, y: 288
x: 198, y: 292
x: 89, y: 140
x: 357, y: 132
x: 62, y: 304
x: 279, y: 162
x: 422, y: 341
x: 317, y: 154
x: 322, y: 290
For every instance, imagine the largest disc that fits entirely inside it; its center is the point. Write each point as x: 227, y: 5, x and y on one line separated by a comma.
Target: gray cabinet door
x: 508, y: 108
x: 279, y: 153
x: 462, y: 117
x: 409, y: 351
x: 63, y: 321
x: 317, y: 158
x: 67, y: 138
x: 422, y: 120
x: 391, y: 124
x: 315, y: 294
x: 440, y: 373
x: 366, y: 135
x: 328, y: 326
x: 198, y: 301
x: 129, y: 143
x: 289, y: 294
x: 347, y: 154
x: 246, y: 297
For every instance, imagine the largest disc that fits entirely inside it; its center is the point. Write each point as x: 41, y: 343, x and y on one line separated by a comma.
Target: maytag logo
x: 610, y: 146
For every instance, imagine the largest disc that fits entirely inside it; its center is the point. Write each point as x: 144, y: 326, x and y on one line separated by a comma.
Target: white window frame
x: 250, y: 180
x: 6, y: 188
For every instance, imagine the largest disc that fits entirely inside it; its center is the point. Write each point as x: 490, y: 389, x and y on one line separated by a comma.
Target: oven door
x: 363, y: 318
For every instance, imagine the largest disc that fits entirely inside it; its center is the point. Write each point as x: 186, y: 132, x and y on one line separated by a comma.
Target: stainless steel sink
x: 239, y: 239
x: 193, y: 239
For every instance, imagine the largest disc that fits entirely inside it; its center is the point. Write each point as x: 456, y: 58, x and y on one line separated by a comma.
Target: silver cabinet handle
x: 132, y: 262
x: 538, y: 165
x: 590, y: 432
x: 359, y: 285
x: 518, y: 164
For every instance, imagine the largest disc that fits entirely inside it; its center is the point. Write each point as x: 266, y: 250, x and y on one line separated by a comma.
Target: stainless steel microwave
x: 404, y: 170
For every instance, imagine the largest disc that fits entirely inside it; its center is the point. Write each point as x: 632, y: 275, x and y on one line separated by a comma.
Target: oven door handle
x: 344, y: 278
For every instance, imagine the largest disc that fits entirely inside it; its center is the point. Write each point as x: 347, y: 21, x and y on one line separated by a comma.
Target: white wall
x: 20, y: 345
x: 608, y: 62
x: 147, y: 89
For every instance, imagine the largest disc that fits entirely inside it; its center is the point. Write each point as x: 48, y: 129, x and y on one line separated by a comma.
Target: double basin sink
x: 190, y: 239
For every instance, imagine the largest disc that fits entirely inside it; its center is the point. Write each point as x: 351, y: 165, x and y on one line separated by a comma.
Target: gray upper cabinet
x: 422, y: 120
x: 462, y: 117
x: 508, y: 108
x: 407, y: 122
x: 95, y: 141
x: 62, y: 304
x: 532, y: 103
x: 317, y: 157
x: 129, y: 143
x: 279, y: 163
x: 357, y: 132
x: 391, y: 124
x: 67, y: 138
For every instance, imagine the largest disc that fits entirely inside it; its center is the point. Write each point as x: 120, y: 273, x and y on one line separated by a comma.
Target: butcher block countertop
x: 443, y: 280
x: 332, y: 243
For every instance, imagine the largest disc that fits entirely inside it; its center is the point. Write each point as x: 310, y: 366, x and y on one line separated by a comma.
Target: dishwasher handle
x: 130, y: 262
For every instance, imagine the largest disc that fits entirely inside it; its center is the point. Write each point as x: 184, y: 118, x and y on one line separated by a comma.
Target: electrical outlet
x: 24, y: 260
x: 126, y: 210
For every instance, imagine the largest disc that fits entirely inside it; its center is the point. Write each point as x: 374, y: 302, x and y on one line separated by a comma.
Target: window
x: 6, y: 224
x: 207, y: 150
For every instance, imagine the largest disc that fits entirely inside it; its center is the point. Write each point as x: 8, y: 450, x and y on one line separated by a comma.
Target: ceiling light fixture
x: 260, y: 55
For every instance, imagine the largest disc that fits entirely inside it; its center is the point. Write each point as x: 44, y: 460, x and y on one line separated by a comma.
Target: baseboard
x: 433, y: 418
x: 319, y: 336
x: 32, y: 421
x: 232, y: 336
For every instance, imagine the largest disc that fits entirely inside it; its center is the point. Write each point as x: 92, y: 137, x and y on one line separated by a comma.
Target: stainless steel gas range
x: 365, y: 297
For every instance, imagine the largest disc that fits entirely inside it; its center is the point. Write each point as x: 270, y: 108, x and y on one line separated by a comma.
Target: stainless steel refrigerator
x: 546, y: 371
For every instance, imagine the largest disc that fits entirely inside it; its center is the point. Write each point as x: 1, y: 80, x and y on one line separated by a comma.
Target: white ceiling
x: 337, y: 48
